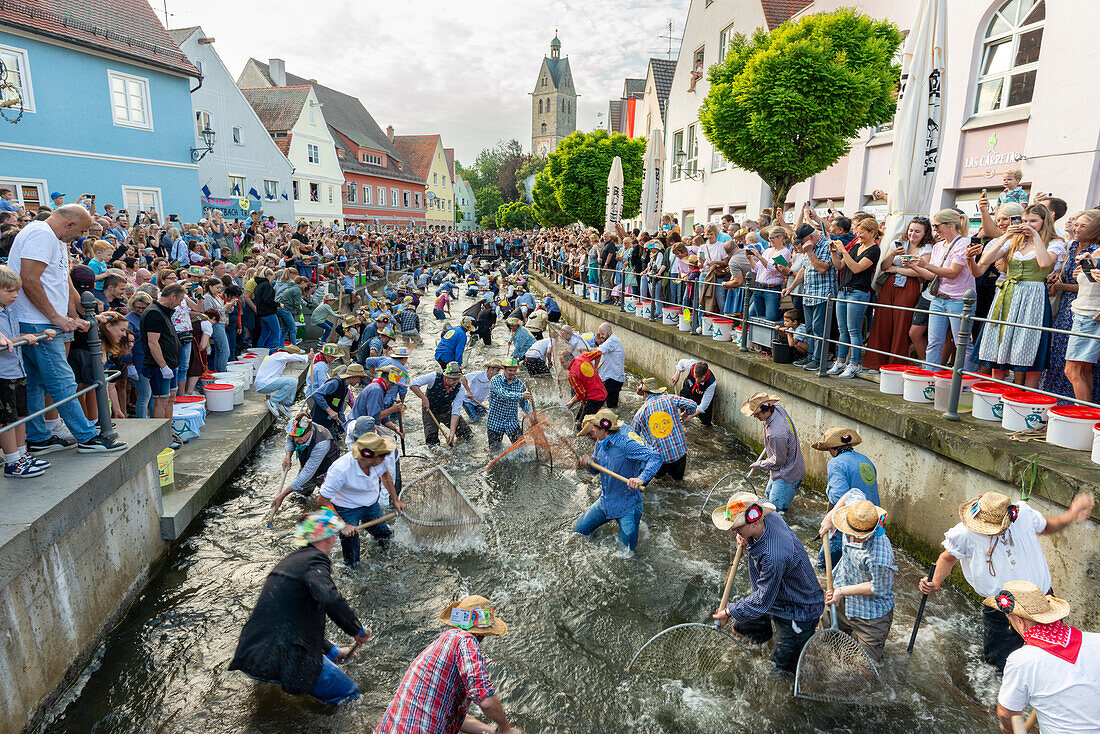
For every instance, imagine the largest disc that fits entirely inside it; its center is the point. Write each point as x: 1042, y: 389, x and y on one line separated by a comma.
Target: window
x: 405, y: 199
x: 271, y: 188
x: 416, y: 197
x: 448, y: 205
x: 394, y: 197
x: 724, y: 39
x: 340, y: 153
x: 717, y: 161
x: 540, y: 106
x: 297, y: 191
x: 315, y: 192
x: 677, y: 146
x: 381, y: 196
x: 692, y: 161
x: 19, y: 77
x: 238, y: 135
x: 130, y: 100
x: 544, y: 128
x: 312, y: 115
x: 236, y: 186
x: 349, y: 192
x: 1010, y: 56
x: 444, y: 179
x: 699, y: 57
x: 313, y: 152
x: 544, y: 81
x: 202, y: 121
x: 141, y: 199
x: 372, y: 158
x: 278, y: 136
x: 366, y: 193
x: 30, y: 194
x: 331, y: 194
x: 435, y: 178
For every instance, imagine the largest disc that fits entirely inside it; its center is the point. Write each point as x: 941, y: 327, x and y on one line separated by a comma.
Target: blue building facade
x: 108, y: 116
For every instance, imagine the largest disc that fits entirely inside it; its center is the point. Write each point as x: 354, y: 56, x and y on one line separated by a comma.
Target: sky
x: 464, y: 68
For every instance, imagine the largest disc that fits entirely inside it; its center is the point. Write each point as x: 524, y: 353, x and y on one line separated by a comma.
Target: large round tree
x: 786, y: 104
x: 577, y: 171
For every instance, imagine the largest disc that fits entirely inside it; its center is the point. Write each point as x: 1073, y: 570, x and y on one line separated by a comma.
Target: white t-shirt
x: 685, y: 364
x: 37, y: 241
x: 479, y: 386
x: 427, y: 381
x: 346, y: 485
x: 539, y: 349
x: 613, y: 362
x: 1017, y: 557
x: 1066, y: 696
x: 273, y: 366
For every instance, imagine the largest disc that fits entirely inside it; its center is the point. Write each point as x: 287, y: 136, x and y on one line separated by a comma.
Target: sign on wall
x: 232, y: 208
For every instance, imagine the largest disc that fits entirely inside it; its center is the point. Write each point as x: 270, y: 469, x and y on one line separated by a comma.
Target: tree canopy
x: 577, y: 173
x: 547, y: 210
x: 786, y: 104
x: 487, y: 201
x: 516, y: 215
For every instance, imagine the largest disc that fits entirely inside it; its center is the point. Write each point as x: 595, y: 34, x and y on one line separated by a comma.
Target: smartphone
x: 1016, y: 219
x: 984, y: 191
x: 1087, y: 265
x: 809, y: 204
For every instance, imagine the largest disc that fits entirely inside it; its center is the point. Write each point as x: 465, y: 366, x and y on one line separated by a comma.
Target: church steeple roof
x: 555, y: 46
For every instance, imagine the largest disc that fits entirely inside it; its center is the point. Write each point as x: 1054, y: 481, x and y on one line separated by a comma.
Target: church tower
x: 553, y: 102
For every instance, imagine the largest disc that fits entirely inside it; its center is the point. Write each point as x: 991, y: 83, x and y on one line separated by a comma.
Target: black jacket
x: 264, y: 298
x: 284, y: 639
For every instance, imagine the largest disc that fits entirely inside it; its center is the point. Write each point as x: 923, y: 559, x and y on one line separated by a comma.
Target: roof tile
x: 418, y: 151
x: 277, y: 107
x: 777, y: 12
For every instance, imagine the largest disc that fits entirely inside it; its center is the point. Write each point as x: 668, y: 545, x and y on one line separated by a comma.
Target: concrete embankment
x: 926, y: 465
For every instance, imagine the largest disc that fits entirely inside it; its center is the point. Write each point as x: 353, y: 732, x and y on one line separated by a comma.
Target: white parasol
x: 613, y: 214
x: 652, y: 193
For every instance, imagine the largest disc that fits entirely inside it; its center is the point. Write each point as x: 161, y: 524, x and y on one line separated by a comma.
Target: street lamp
x: 197, y: 154
x: 693, y: 173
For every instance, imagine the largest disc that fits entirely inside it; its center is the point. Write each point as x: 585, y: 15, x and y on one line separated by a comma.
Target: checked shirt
x: 505, y: 398
x: 871, y: 560
x: 660, y: 414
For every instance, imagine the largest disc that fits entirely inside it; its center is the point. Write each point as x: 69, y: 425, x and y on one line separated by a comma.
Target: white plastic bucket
x: 594, y: 293
x: 244, y: 370
x: 260, y: 352
x: 236, y: 380
x: 630, y: 303
x: 685, y: 320
x: 644, y: 309
x: 891, y: 378
x: 670, y: 315
x: 708, y: 326
x: 1071, y: 426
x: 723, y: 330
x: 219, y: 397
x: 943, y: 390
x: 1096, y: 444
x: 988, y: 401
x: 1025, y: 411
x: 919, y: 386
x: 189, y: 401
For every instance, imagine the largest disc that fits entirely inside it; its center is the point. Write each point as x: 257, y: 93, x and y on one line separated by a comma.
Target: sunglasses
x: 921, y: 220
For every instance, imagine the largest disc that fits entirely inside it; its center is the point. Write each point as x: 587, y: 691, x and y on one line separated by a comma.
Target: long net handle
x: 920, y: 611
x: 828, y: 572
x: 592, y: 464
x: 418, y: 521
x: 729, y: 578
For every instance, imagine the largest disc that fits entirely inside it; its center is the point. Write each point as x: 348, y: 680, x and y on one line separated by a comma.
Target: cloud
x: 464, y: 68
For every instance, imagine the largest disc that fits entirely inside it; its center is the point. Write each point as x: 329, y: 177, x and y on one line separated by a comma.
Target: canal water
x: 577, y: 610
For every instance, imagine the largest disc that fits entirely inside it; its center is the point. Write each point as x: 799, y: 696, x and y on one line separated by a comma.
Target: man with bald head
x: 48, y: 300
x: 612, y: 364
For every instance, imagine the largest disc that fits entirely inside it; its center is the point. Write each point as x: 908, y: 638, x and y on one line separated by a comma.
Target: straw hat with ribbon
x: 836, y: 438
x: 354, y: 370
x: 350, y: 321
x: 757, y: 399
x: 859, y: 519
x: 988, y: 514
x: 512, y: 321
x: 1024, y: 599
x: 494, y: 362
x: 399, y: 353
x: 603, y: 418
x: 743, y: 508
x: 317, y: 526
x: 371, y: 445
x: 652, y: 386
x: 476, y: 615
x: 332, y: 350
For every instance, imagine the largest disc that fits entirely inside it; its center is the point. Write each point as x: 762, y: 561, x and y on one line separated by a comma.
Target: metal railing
x: 100, y: 377
x: 666, y: 283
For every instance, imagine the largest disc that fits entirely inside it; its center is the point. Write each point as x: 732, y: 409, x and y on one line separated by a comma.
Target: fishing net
x: 551, y: 442
x: 561, y: 375
x: 437, y: 510
x: 834, y: 668
x: 686, y: 651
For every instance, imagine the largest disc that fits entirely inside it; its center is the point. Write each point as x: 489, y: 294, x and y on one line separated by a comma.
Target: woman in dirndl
x: 1030, y: 253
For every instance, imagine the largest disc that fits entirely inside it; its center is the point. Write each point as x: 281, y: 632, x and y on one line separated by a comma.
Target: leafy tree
x: 786, y: 104
x: 510, y: 159
x: 516, y: 215
x: 488, y: 200
x: 578, y: 168
x: 546, y: 208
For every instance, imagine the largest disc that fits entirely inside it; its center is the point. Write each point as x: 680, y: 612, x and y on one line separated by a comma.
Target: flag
x: 613, y: 213
x: 285, y: 197
x: 236, y: 190
x: 254, y: 193
x: 206, y: 191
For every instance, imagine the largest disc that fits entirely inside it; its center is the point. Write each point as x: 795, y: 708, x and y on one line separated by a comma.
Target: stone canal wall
x: 927, y: 465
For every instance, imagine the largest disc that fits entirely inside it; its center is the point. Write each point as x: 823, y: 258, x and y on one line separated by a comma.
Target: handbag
x: 933, y: 289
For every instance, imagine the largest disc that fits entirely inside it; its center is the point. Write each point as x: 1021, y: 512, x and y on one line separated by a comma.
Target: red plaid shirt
x: 438, y: 686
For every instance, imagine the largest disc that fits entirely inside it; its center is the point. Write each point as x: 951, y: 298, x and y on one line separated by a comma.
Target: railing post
x: 95, y: 352
x: 658, y: 291
x: 696, y: 302
x: 746, y: 294
x: 962, y: 344
x: 823, y: 358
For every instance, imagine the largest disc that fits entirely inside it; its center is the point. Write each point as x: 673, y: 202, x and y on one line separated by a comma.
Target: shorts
x: 160, y: 387
x: 81, y: 362
x: 1081, y: 348
x: 13, y: 400
x: 919, y: 317
x: 410, y: 333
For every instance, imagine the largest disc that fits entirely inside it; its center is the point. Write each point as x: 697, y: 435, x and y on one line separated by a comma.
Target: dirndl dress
x: 1022, y: 299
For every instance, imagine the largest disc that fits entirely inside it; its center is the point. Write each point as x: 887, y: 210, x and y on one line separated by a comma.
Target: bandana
x: 1058, y: 639
x: 317, y: 526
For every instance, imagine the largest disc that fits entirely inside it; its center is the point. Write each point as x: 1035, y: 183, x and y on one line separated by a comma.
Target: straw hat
x: 836, y: 438
x: 453, y: 369
x: 743, y: 508
x: 988, y: 514
x: 350, y: 321
x: 604, y: 418
x: 370, y: 445
x: 1024, y: 599
x: 750, y: 406
x: 476, y: 615
x: 291, y: 349
x: 859, y: 519
x: 692, y: 260
x: 332, y: 350
x: 399, y: 353
x: 650, y: 385
x: 494, y: 362
x: 354, y: 370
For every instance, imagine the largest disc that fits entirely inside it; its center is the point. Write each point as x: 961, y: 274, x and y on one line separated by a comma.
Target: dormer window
x: 372, y: 159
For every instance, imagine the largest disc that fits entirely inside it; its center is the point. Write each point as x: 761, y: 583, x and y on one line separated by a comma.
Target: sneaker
x: 871, y: 373
x: 812, y: 366
x: 283, y: 409
x: 39, y: 462
x: 62, y: 431
x: 837, y: 368
x: 271, y: 407
x: 851, y: 371
x: 50, y: 445
x: 801, y: 362
x: 100, y: 444
x: 22, y: 469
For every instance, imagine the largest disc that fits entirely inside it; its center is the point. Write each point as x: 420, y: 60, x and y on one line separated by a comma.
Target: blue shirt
x: 852, y: 470
x: 370, y: 402
x: 521, y: 342
x: 784, y: 584
x: 11, y: 363
x: 527, y: 300
x: 626, y: 454
x: 452, y: 345
x: 551, y: 305
x: 97, y: 267
x: 8, y: 206
x: 816, y: 287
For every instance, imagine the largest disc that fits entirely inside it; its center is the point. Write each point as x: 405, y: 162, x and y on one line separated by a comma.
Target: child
x: 13, y: 383
x: 796, y: 333
x: 1013, y: 191
x: 101, y: 250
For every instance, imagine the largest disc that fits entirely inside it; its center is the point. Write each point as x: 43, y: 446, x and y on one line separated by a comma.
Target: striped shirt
x: 504, y: 398
x: 784, y: 454
x: 658, y: 422
x: 784, y: 584
x: 872, y: 560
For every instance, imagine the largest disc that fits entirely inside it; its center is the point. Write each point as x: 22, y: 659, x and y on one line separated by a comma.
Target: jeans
x: 943, y: 310
x: 326, y: 329
x: 270, y: 332
x: 185, y: 361
x: 290, y: 329
x: 251, y: 327
x: 789, y: 641
x: 144, y: 394
x: 474, y: 410
x: 764, y: 304
x: 282, y: 389
x: 334, y: 685
x: 496, y: 440
x: 780, y: 493
x: 49, y: 373
x: 594, y: 517
x: 355, y: 516
x: 815, y: 324
x: 836, y: 546
x: 849, y: 316
x: 219, y: 360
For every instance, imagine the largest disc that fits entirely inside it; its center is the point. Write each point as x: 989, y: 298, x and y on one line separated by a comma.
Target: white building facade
x: 465, y: 203
x: 1018, y: 91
